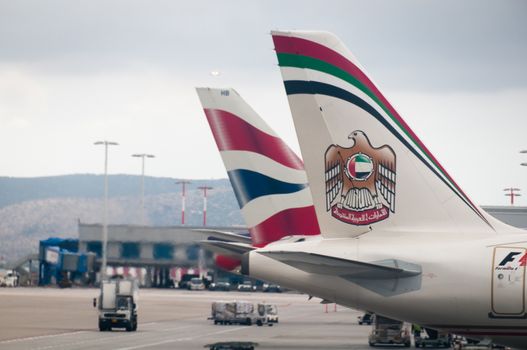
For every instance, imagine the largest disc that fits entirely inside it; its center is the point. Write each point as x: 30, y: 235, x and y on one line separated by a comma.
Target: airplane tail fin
x: 267, y: 177
x: 366, y: 168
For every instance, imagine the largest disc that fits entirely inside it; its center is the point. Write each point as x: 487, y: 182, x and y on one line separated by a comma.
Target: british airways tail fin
x: 366, y: 168
x: 268, y: 178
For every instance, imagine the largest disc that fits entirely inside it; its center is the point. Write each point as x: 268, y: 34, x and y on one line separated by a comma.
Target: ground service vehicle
x: 234, y: 312
x: 9, y: 279
x: 365, y: 319
x: 246, y: 287
x: 271, y: 288
x: 185, y: 280
x: 196, y: 283
x: 268, y: 314
x: 232, y: 345
x: 389, y: 332
x: 118, y: 305
x: 223, y: 286
x: 433, y: 339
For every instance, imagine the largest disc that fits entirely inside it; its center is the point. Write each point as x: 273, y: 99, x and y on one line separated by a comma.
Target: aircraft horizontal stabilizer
x: 325, y: 301
x: 225, y: 236
x: 230, y: 249
x: 349, y: 269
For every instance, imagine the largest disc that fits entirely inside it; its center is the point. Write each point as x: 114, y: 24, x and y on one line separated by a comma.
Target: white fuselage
x: 461, y: 288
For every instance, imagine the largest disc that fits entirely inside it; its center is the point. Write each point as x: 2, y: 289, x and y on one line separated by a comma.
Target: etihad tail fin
x: 366, y: 168
x: 267, y: 177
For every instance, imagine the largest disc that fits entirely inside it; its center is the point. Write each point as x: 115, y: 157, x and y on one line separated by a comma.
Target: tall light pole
x: 183, y: 184
x: 105, y: 221
x: 205, y: 188
x: 523, y: 151
x: 512, y: 193
x: 522, y: 164
x: 143, y: 156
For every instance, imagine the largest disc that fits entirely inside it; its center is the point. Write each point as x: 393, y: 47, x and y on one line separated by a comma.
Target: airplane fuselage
x: 472, y: 285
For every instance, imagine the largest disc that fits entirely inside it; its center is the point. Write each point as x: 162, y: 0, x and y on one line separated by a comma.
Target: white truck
x: 234, y: 312
x: 117, y: 305
x: 8, y: 278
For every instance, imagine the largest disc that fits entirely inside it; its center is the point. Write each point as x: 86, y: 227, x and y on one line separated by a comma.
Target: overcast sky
x: 74, y: 72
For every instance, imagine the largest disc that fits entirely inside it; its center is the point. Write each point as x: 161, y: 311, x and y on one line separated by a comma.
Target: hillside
x: 15, y: 190
x: 34, y: 209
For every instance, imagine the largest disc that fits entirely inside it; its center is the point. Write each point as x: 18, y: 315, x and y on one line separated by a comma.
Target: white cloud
x: 19, y: 123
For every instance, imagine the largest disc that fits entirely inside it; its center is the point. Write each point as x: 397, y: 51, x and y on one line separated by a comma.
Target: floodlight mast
x: 523, y: 151
x: 522, y: 164
x: 105, y: 220
x: 512, y: 192
x: 143, y: 156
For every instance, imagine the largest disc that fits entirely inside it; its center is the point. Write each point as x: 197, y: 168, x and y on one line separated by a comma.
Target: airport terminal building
x: 162, y: 252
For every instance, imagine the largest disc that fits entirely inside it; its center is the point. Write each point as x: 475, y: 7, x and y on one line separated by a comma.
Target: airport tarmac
x: 47, y: 319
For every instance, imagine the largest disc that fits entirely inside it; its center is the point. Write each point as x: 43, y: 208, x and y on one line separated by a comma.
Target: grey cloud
x: 455, y: 44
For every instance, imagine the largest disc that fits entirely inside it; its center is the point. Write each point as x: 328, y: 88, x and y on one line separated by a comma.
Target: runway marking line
x: 40, y: 337
x: 108, y: 337
x: 179, y: 339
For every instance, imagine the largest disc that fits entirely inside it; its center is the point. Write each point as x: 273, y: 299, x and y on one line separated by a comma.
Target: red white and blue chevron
x: 267, y: 177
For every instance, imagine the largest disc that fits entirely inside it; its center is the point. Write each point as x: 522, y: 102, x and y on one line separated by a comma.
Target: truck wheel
x: 215, y: 322
x: 134, y: 328
x: 102, y: 326
x: 129, y: 327
x: 259, y: 323
x: 248, y: 322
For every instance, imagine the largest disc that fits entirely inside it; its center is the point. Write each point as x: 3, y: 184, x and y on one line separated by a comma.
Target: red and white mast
x: 205, y: 188
x: 183, y: 185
